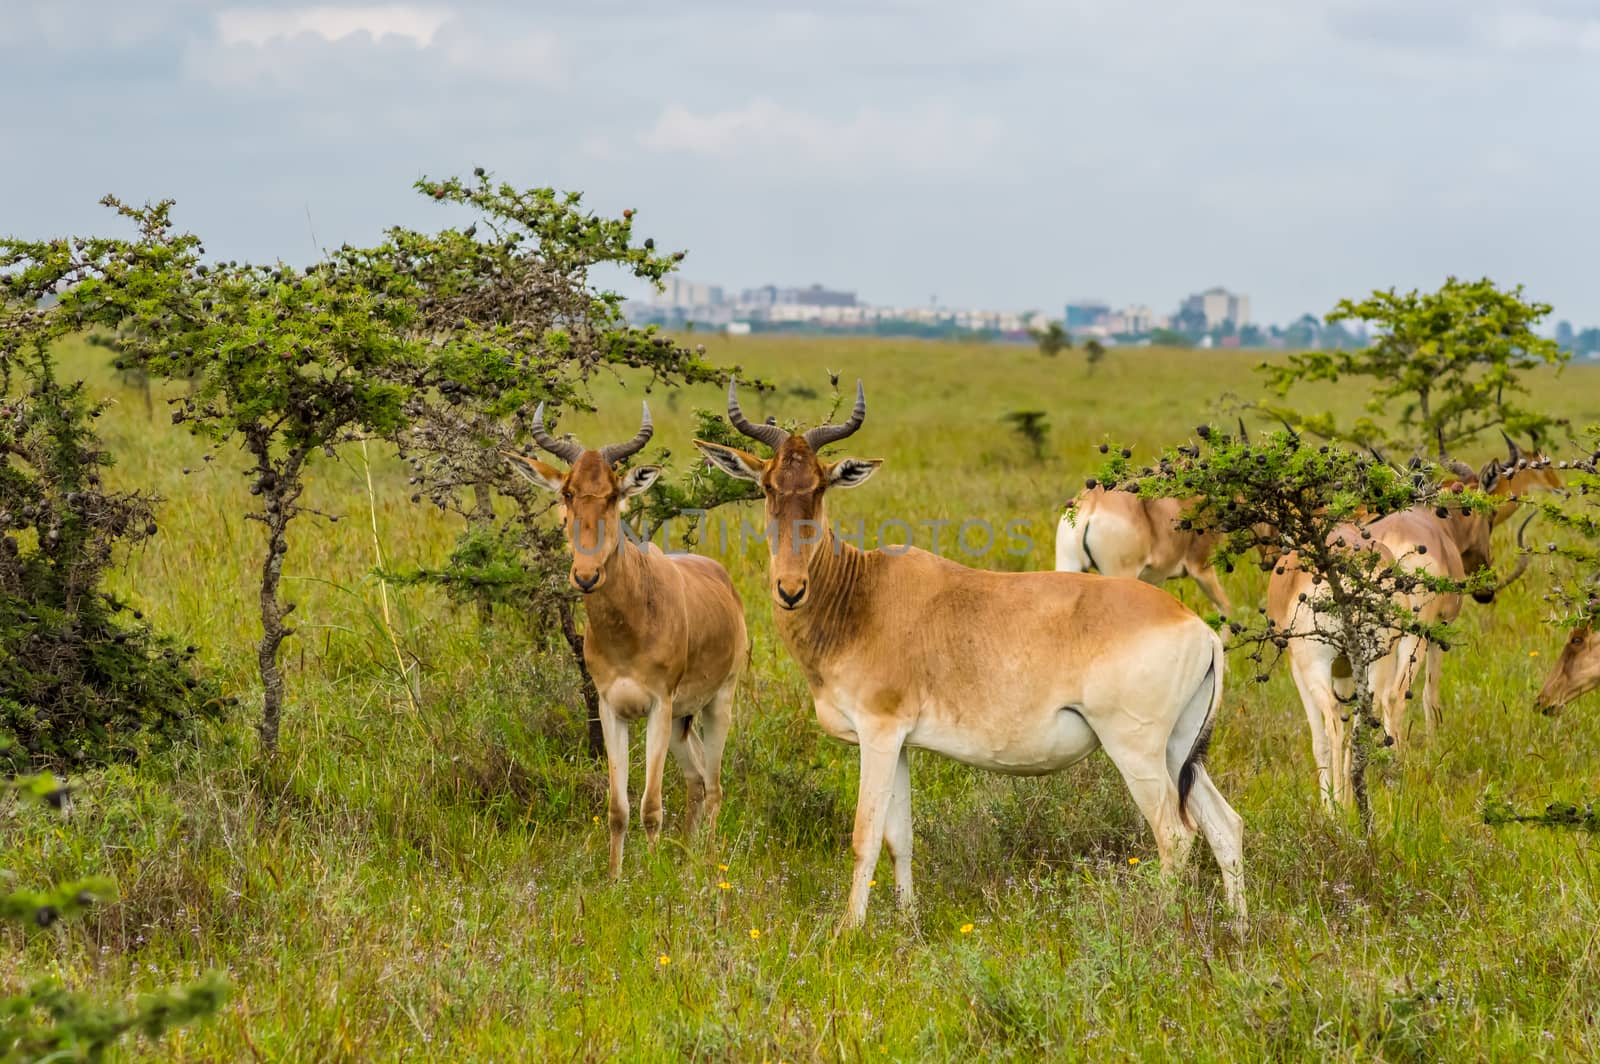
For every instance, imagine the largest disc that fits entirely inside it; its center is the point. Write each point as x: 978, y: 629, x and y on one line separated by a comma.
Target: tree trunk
x: 1362, y: 719
x: 591, y: 697
x: 273, y: 633
x: 282, y: 487
x: 483, y: 516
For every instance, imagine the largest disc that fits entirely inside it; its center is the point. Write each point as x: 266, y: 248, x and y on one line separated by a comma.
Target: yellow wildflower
x: 663, y: 960
x: 966, y: 929
x: 1133, y: 860
x: 724, y: 885
x: 1533, y: 653
x: 754, y: 934
x: 722, y: 868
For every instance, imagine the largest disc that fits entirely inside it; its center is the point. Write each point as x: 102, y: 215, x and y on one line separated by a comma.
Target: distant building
x: 1135, y: 320
x: 1216, y: 308
x: 1565, y: 334
x: 1087, y: 314
x: 676, y: 292
x: 816, y: 296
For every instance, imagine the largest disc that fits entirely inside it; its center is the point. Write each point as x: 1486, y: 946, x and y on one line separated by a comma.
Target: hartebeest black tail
x: 1211, y: 699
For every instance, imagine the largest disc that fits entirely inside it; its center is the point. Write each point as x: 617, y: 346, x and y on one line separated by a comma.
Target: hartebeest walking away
x: 1021, y: 673
x: 665, y: 640
x: 1116, y: 533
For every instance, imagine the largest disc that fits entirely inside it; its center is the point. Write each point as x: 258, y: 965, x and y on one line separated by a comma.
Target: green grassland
x: 427, y: 880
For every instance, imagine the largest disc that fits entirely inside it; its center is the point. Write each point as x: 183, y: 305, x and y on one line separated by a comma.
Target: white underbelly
x: 1058, y: 739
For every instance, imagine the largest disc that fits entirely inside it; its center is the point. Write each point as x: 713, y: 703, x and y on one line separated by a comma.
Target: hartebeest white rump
x: 1022, y: 673
x: 1575, y: 673
x: 1116, y: 533
x: 1322, y: 674
x: 665, y: 640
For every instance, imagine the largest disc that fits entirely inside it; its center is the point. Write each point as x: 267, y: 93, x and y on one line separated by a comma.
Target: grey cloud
x: 1014, y: 153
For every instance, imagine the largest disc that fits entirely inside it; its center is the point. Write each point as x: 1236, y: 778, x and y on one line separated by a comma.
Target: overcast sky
x: 1009, y: 153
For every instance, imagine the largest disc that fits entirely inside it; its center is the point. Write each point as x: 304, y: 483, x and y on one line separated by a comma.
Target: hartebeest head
x: 794, y: 481
x: 593, y: 495
x: 1576, y: 672
x: 1473, y: 532
x: 1520, y: 473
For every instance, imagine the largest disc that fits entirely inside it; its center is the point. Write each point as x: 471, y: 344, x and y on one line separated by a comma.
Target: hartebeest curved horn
x: 566, y: 450
x: 1512, y: 449
x: 771, y: 435
x: 612, y: 453
x: 823, y: 435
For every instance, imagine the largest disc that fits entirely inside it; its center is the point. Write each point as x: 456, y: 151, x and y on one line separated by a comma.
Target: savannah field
x: 426, y: 879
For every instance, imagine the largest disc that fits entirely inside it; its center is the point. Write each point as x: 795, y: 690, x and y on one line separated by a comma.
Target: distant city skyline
x: 1298, y: 152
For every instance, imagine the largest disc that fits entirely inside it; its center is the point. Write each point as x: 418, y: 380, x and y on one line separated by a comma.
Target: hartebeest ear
x: 639, y: 479
x: 736, y: 463
x: 848, y: 472
x: 547, y: 477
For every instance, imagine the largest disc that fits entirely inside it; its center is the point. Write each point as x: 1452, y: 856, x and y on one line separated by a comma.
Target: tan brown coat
x: 1021, y: 673
x: 665, y: 639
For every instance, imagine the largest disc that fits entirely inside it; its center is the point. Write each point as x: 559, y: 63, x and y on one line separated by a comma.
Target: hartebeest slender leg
x: 1311, y: 680
x: 1154, y: 791
x: 615, y: 732
x: 897, y: 831
x: 657, y: 737
x: 690, y: 756
x: 1212, y: 586
x: 1223, y: 829
x: 715, y: 720
x: 1390, y: 678
x: 1432, y: 704
x: 880, y: 758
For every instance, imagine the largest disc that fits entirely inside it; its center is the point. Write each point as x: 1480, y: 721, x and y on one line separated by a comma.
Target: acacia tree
x: 1290, y: 501
x: 83, y: 679
x: 286, y: 363
x: 1052, y: 339
x: 1446, y: 366
x: 1094, y: 352
x: 511, y: 318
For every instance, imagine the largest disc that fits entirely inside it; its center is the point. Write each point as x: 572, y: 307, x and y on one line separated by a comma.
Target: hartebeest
x: 1022, y: 673
x: 665, y: 640
x: 1576, y: 672
x: 1322, y: 673
x: 1454, y: 545
x: 1116, y: 533
x: 1520, y: 474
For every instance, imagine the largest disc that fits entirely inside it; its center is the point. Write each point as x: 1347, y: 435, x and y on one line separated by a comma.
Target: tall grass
x: 427, y: 879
